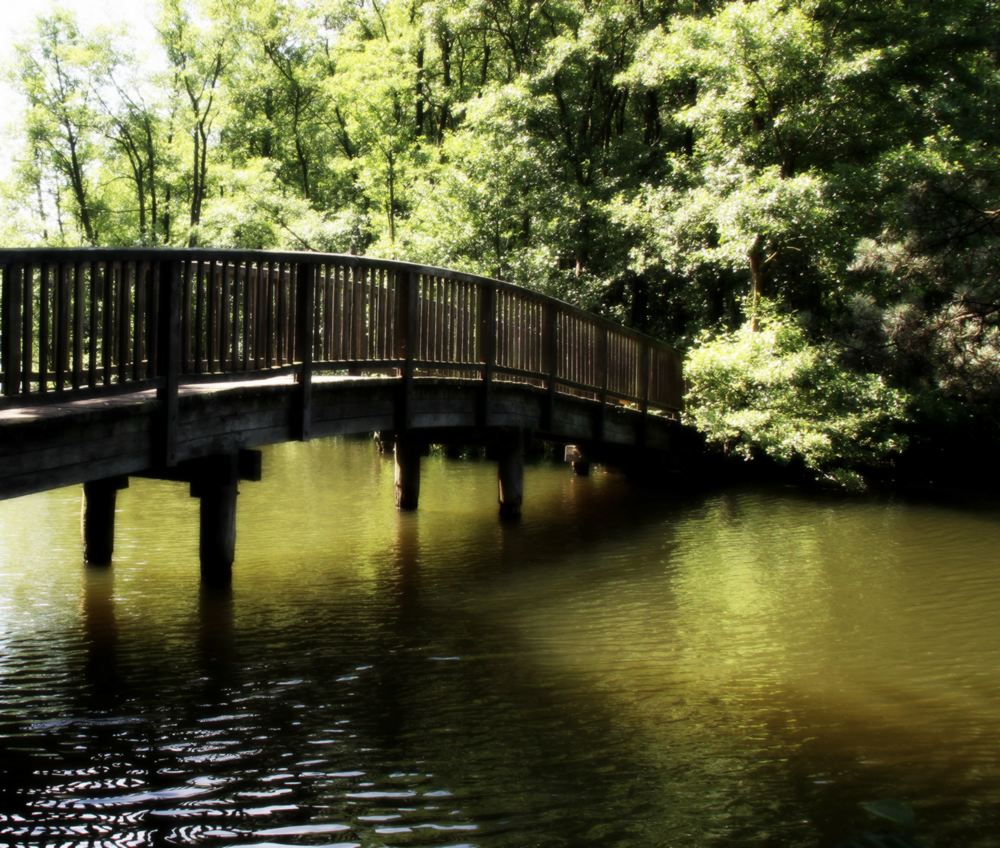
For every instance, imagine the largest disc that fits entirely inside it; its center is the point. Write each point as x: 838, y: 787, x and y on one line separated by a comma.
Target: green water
x: 752, y: 668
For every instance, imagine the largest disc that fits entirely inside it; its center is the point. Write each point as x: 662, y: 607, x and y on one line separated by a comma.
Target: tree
x: 198, y: 55
x: 54, y: 72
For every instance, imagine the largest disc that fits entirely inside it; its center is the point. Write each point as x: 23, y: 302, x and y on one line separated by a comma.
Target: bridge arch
x: 178, y: 363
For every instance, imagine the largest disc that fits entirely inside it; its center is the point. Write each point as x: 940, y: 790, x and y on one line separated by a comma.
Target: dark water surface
x: 745, y: 669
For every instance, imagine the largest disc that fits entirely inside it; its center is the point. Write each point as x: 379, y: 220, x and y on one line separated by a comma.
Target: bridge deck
x: 43, y: 446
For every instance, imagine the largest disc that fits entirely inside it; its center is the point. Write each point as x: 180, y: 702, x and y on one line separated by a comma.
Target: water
x: 619, y: 669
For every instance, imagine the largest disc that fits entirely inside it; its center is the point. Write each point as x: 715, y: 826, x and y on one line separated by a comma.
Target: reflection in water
x: 216, y: 642
x: 619, y: 669
x: 100, y: 636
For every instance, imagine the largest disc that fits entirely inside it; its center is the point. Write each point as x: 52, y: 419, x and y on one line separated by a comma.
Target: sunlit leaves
x: 772, y: 391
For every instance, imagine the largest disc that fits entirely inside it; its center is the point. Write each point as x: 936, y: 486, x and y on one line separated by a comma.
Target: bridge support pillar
x: 407, y: 471
x: 214, y: 480
x: 510, y: 474
x: 217, y: 539
x: 98, y: 518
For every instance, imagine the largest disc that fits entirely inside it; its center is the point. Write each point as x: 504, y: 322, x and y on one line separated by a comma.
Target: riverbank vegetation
x: 803, y: 195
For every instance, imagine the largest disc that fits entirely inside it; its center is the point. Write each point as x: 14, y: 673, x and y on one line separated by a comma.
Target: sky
x: 16, y: 20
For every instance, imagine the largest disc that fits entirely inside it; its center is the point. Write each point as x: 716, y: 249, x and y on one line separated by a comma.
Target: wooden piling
x: 217, y: 533
x: 407, y: 472
x: 215, y: 482
x: 98, y: 519
x: 510, y: 474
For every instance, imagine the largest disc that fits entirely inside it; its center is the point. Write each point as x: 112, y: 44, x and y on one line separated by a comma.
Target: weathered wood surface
x: 115, y: 361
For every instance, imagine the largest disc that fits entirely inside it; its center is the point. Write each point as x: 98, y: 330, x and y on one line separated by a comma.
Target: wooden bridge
x: 176, y: 364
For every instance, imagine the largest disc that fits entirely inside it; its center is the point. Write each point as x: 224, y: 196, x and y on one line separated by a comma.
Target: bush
x: 772, y: 391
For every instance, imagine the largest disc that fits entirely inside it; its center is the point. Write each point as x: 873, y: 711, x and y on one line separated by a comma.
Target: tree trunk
x: 756, y: 257
x: 392, y: 199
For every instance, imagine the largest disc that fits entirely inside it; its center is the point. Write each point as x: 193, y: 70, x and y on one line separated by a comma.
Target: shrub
x: 773, y: 391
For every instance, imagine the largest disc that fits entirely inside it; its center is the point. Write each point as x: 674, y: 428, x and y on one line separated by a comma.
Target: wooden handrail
x: 78, y: 321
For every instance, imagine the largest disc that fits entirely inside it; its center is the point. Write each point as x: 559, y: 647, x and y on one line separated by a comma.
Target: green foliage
x: 669, y: 164
x: 773, y: 391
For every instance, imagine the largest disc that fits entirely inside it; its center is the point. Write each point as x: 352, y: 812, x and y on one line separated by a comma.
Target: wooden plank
x: 230, y: 330
x: 123, y: 274
x: 383, y: 316
x: 249, y: 283
x: 212, y: 320
x: 644, y: 366
x: 281, y: 316
x: 267, y: 316
x: 43, y: 327
x: 199, y: 317
x: 550, y: 359
x: 27, y: 329
x: 79, y: 302
x: 333, y: 313
x: 487, y: 348
x: 407, y: 344
x: 257, y: 309
x: 61, y: 325
x: 344, y: 313
x: 601, y: 376
x: 147, y: 288
x: 373, y: 328
x: 392, y: 313
x: 241, y: 325
x: 138, y: 320
x: 460, y: 326
x: 305, y: 281
x: 293, y: 313
x: 13, y: 286
x: 358, y: 346
x: 441, y: 336
x: 454, y: 325
x: 169, y: 356
x: 96, y: 285
x: 188, y: 279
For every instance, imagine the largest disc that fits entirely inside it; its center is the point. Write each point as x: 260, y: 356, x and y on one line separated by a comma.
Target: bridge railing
x: 76, y: 322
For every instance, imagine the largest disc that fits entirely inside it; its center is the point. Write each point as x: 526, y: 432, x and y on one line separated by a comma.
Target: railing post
x: 601, y: 357
x: 11, y: 329
x: 550, y: 360
x: 487, y: 347
x: 305, y: 277
x: 43, y: 327
x: 407, y: 329
x: 169, y: 358
x: 644, y: 388
x: 644, y: 377
x: 61, y: 324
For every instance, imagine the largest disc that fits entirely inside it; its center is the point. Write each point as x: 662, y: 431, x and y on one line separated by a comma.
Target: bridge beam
x: 510, y: 473
x: 407, y: 471
x: 97, y: 520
